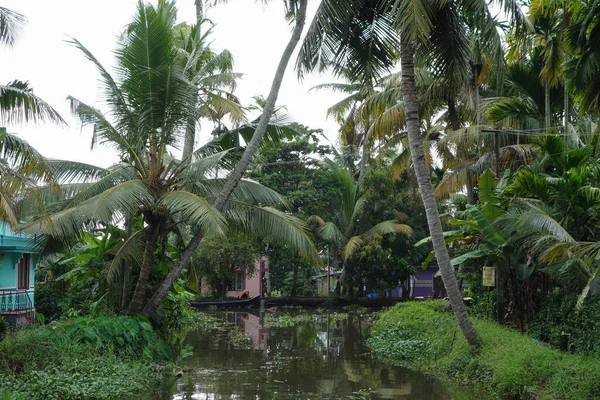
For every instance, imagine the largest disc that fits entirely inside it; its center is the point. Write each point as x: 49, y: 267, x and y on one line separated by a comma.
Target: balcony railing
x: 16, y: 303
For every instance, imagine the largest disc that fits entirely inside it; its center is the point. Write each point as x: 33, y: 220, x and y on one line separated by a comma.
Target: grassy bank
x: 92, y: 358
x: 424, y: 337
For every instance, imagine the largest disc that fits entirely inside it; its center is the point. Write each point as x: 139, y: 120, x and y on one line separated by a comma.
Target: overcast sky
x: 254, y: 33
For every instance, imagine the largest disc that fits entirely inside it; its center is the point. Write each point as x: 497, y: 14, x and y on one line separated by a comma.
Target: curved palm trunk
x: 240, y: 169
x: 433, y: 219
x: 139, y: 295
x: 250, y: 151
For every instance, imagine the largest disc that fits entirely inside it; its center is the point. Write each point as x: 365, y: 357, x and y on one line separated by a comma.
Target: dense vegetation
x: 487, y: 135
x: 424, y: 336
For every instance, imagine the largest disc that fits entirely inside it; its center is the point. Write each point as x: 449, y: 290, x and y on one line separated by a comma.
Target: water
x: 326, y: 359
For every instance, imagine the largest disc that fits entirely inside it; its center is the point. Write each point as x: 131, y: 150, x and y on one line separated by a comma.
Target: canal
x: 287, y: 356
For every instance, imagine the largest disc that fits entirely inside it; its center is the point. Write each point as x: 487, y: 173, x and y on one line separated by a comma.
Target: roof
x: 15, y: 241
x: 325, y: 274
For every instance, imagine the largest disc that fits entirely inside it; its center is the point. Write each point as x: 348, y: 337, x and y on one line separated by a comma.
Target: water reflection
x: 327, y: 359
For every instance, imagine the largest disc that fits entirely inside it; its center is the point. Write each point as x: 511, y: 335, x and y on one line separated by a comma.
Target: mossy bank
x: 424, y: 336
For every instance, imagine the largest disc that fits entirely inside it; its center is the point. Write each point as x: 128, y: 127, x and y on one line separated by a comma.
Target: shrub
x: 92, y: 358
x: 98, y: 377
x: 47, y: 302
x: 558, y: 324
x: 4, y: 328
x: 423, y: 336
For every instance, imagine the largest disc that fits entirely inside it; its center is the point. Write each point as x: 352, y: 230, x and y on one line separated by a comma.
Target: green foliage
x: 95, y: 377
x: 557, y: 324
x: 4, y: 328
x: 218, y: 261
x: 290, y: 167
x: 48, y: 302
x: 377, y: 266
x: 424, y: 336
x: 81, y: 358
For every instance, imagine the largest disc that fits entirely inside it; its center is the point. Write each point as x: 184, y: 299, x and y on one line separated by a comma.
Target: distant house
x: 243, y: 281
x: 325, y: 285
x: 18, y: 261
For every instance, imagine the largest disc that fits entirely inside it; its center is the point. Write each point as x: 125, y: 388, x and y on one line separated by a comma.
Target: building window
x: 236, y: 282
x: 23, y: 272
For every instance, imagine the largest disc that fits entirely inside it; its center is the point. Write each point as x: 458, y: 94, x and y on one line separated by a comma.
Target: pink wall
x: 252, y: 283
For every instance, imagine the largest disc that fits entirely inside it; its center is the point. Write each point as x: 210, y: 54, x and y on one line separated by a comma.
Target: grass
x: 425, y: 337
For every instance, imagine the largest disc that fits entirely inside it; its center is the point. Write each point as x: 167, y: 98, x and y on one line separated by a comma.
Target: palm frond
x: 350, y: 248
x: 331, y: 233
x: 281, y: 227
x: 18, y: 104
x: 388, y: 227
x: 129, y: 250
x: 11, y: 25
x: 196, y: 211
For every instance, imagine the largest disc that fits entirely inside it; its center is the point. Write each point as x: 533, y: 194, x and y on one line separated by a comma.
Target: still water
x: 326, y: 358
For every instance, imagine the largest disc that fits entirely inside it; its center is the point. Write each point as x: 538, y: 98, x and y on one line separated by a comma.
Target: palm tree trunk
x: 139, y: 295
x: 236, y: 175
x: 433, y: 219
x: 250, y: 151
x: 199, y: 9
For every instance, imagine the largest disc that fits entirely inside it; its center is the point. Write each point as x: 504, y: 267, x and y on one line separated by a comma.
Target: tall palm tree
x: 212, y: 75
x: 297, y: 10
x: 150, y: 102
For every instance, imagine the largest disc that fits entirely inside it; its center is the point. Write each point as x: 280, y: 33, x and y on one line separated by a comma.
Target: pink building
x: 252, y: 283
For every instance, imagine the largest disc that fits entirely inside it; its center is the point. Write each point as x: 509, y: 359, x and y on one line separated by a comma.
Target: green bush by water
x: 559, y: 325
x: 425, y: 337
x: 84, y: 358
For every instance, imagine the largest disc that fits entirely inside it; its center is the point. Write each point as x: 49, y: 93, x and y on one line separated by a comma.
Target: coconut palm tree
x: 296, y: 9
x: 150, y: 103
x: 211, y: 73
x: 21, y: 166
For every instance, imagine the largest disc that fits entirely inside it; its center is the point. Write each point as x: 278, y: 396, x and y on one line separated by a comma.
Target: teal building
x: 18, y: 261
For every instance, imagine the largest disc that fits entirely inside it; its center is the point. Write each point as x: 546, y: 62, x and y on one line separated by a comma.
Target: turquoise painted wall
x: 12, y: 247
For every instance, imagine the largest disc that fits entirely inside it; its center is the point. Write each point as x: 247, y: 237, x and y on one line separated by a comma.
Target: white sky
x: 255, y: 34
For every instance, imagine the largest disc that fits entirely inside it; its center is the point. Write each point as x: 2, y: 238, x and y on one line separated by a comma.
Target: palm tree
x: 297, y: 10
x: 150, y: 102
x: 21, y: 166
x: 211, y: 73
x: 582, y: 70
x: 342, y: 233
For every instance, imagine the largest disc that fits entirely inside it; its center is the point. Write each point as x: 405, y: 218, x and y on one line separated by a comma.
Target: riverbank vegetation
x: 424, y: 336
